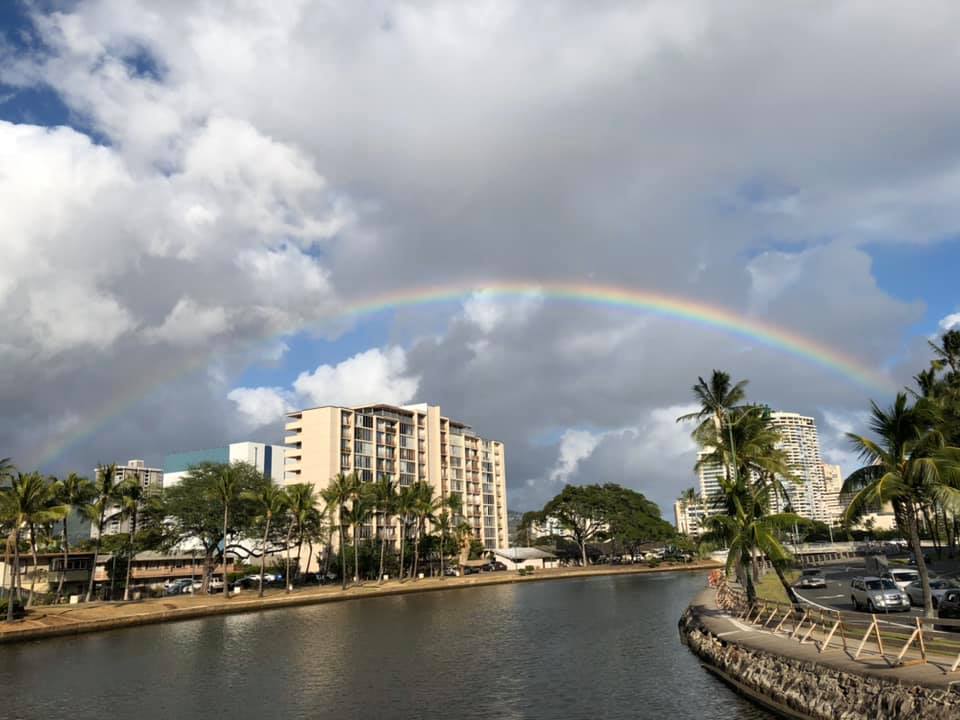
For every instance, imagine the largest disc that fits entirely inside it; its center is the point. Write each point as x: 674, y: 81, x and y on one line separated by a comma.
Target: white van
x: 902, y: 576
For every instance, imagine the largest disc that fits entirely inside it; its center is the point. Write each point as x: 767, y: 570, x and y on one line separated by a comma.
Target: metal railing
x: 916, y: 641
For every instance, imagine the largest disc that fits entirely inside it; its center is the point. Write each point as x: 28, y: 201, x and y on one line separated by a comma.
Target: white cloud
x: 261, y: 406
x: 189, y: 323
x: 488, y: 309
x: 68, y: 315
x: 575, y: 445
x: 371, y: 376
x: 950, y: 322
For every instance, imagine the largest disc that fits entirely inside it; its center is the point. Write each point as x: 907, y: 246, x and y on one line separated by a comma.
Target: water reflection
x: 599, y: 647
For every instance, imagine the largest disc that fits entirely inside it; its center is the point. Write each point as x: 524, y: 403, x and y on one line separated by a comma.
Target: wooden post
x: 796, y: 628
x: 918, y: 636
x: 875, y: 629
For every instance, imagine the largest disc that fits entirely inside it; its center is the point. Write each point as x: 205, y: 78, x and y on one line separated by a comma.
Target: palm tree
x: 336, y: 495
x: 303, y: 502
x: 270, y: 500
x: 718, y: 400
x: 907, y: 466
x: 226, y: 491
x: 424, y: 509
x: 28, y: 501
x: 751, y: 447
x: 452, y: 505
x: 105, y: 491
x: 404, y: 508
x: 384, y: 502
x: 75, y: 492
x: 130, y: 495
x: 360, y: 510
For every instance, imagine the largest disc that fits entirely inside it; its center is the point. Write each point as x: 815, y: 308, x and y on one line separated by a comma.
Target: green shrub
x: 653, y: 563
x: 18, y: 611
x: 529, y: 569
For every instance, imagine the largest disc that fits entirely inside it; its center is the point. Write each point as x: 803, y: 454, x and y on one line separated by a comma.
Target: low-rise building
x: 516, y: 558
x: 149, y: 571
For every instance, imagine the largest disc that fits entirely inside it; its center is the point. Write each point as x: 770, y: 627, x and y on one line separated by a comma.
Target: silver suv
x: 877, y: 594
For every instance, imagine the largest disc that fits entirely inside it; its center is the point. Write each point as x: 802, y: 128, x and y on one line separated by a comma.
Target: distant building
x: 268, y: 459
x: 516, y: 558
x: 410, y: 443
x: 832, y: 484
x: 688, y: 517
x: 807, y: 497
x: 149, y: 479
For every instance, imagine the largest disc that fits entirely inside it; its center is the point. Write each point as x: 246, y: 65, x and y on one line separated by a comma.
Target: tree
x: 424, y: 508
x: 582, y: 512
x: 74, y: 492
x: 269, y: 500
x: 130, y: 495
x: 203, y: 508
x: 336, y: 495
x: 404, y: 508
x: 450, y: 507
x: 907, y: 466
x: 105, y: 495
x: 302, y: 502
x: 718, y: 400
x: 632, y: 520
x: 360, y: 510
x: 384, y: 503
x: 28, y: 501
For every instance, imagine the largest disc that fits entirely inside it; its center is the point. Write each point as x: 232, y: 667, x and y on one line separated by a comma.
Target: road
x: 837, y: 593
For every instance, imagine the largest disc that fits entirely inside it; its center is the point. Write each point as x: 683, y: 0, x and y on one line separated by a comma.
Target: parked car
x: 876, y: 594
x: 450, y: 572
x: 938, y: 588
x: 494, y: 566
x: 176, y: 587
x: 901, y: 576
x: 470, y: 570
x: 949, y: 608
x: 812, y: 578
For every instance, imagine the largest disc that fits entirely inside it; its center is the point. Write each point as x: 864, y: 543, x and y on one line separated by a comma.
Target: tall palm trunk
x: 403, y: 543
x: 356, y: 555
x: 33, y: 555
x: 416, y: 551
x: 96, y: 552
x: 343, y: 569
x: 14, y: 537
x: 310, y: 555
x: 263, y: 555
x: 66, y: 559
x: 791, y: 595
x: 133, y: 530
x: 382, y: 546
x: 287, y: 580
x: 223, y: 555
x: 916, y: 546
x: 442, y: 533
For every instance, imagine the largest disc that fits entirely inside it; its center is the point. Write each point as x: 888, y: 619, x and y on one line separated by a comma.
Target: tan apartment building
x: 410, y: 443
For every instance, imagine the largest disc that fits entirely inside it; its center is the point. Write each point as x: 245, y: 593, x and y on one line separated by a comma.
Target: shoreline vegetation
x: 63, y: 620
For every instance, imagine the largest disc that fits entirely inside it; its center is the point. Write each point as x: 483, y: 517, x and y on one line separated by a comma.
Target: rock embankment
x: 803, y: 689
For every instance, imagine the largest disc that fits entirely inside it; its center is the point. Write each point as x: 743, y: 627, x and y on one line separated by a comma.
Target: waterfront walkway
x: 52, y: 621
x: 734, y: 630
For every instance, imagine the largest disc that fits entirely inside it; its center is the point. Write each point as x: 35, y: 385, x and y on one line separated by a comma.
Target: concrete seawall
x: 62, y: 620
x: 783, y: 677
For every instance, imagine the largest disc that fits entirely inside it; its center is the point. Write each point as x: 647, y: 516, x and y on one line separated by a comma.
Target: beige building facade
x: 150, y: 481
x: 411, y: 443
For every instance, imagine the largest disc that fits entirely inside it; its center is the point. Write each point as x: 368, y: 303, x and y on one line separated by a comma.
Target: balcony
x: 292, y: 439
x: 294, y: 426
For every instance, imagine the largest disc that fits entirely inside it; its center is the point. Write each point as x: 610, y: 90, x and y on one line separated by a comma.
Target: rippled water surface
x: 592, y: 648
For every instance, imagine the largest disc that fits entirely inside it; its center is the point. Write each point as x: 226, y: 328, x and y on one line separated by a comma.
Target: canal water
x: 602, y: 647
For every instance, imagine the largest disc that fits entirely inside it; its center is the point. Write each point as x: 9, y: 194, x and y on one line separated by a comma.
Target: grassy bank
x: 769, y: 587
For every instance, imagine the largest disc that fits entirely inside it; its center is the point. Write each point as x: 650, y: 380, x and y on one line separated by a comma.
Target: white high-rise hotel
x: 808, y: 496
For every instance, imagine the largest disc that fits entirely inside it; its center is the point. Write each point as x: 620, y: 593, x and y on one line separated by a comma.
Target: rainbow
x: 659, y: 304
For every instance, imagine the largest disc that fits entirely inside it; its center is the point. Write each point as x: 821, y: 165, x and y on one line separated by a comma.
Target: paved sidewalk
x: 733, y: 630
x: 51, y: 621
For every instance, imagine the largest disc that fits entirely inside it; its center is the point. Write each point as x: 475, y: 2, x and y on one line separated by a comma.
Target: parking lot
x: 837, y: 593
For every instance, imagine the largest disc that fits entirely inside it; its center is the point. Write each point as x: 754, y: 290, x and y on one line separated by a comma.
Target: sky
x: 197, y: 198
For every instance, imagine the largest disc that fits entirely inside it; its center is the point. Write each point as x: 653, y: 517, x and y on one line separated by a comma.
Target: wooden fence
x: 897, y: 641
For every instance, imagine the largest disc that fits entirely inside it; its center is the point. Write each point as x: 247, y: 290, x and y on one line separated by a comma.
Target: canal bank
x: 798, y: 680
x: 56, y: 621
